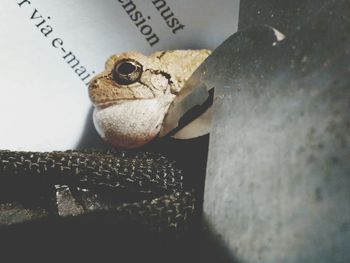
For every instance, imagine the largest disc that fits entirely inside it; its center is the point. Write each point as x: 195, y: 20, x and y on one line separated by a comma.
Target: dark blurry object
x: 278, y: 179
x: 91, y: 202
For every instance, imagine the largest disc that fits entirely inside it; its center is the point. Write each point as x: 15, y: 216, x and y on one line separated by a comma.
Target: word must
x: 141, y: 21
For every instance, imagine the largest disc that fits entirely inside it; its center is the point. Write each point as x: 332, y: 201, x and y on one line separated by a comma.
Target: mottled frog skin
x: 132, y: 95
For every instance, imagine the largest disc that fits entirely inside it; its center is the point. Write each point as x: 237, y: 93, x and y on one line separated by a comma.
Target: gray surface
x: 278, y: 176
x: 284, y: 15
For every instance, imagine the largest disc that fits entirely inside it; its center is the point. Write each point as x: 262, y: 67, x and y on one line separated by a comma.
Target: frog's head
x: 130, y: 76
x: 132, y: 95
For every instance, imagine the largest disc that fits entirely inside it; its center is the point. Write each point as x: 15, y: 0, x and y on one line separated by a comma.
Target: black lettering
x: 146, y: 28
x: 141, y: 22
x: 163, y: 13
x: 136, y: 16
x: 162, y: 4
x: 168, y: 16
x: 34, y: 13
x: 25, y: 1
x: 80, y: 71
x: 72, y: 59
x: 46, y: 30
x: 57, y: 40
x: 177, y: 28
x: 69, y: 58
x: 88, y: 75
x: 133, y: 7
x: 152, y: 40
x: 42, y: 22
x: 172, y: 22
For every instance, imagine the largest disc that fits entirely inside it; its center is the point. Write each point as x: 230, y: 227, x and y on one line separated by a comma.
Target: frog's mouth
x: 107, y: 104
x: 164, y: 100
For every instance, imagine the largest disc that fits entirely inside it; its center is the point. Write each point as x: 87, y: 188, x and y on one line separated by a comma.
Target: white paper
x: 44, y: 100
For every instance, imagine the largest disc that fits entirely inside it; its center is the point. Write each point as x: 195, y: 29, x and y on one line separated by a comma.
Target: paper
x: 50, y: 50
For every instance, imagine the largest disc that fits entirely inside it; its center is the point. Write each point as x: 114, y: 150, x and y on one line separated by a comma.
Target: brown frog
x: 133, y: 94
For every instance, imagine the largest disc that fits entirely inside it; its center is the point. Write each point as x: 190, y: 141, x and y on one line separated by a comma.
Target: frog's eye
x: 127, y: 71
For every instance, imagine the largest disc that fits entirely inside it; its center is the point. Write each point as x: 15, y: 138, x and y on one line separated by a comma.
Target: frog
x: 133, y: 93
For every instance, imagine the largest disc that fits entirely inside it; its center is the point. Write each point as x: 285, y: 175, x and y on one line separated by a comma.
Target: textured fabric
x: 142, y: 188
